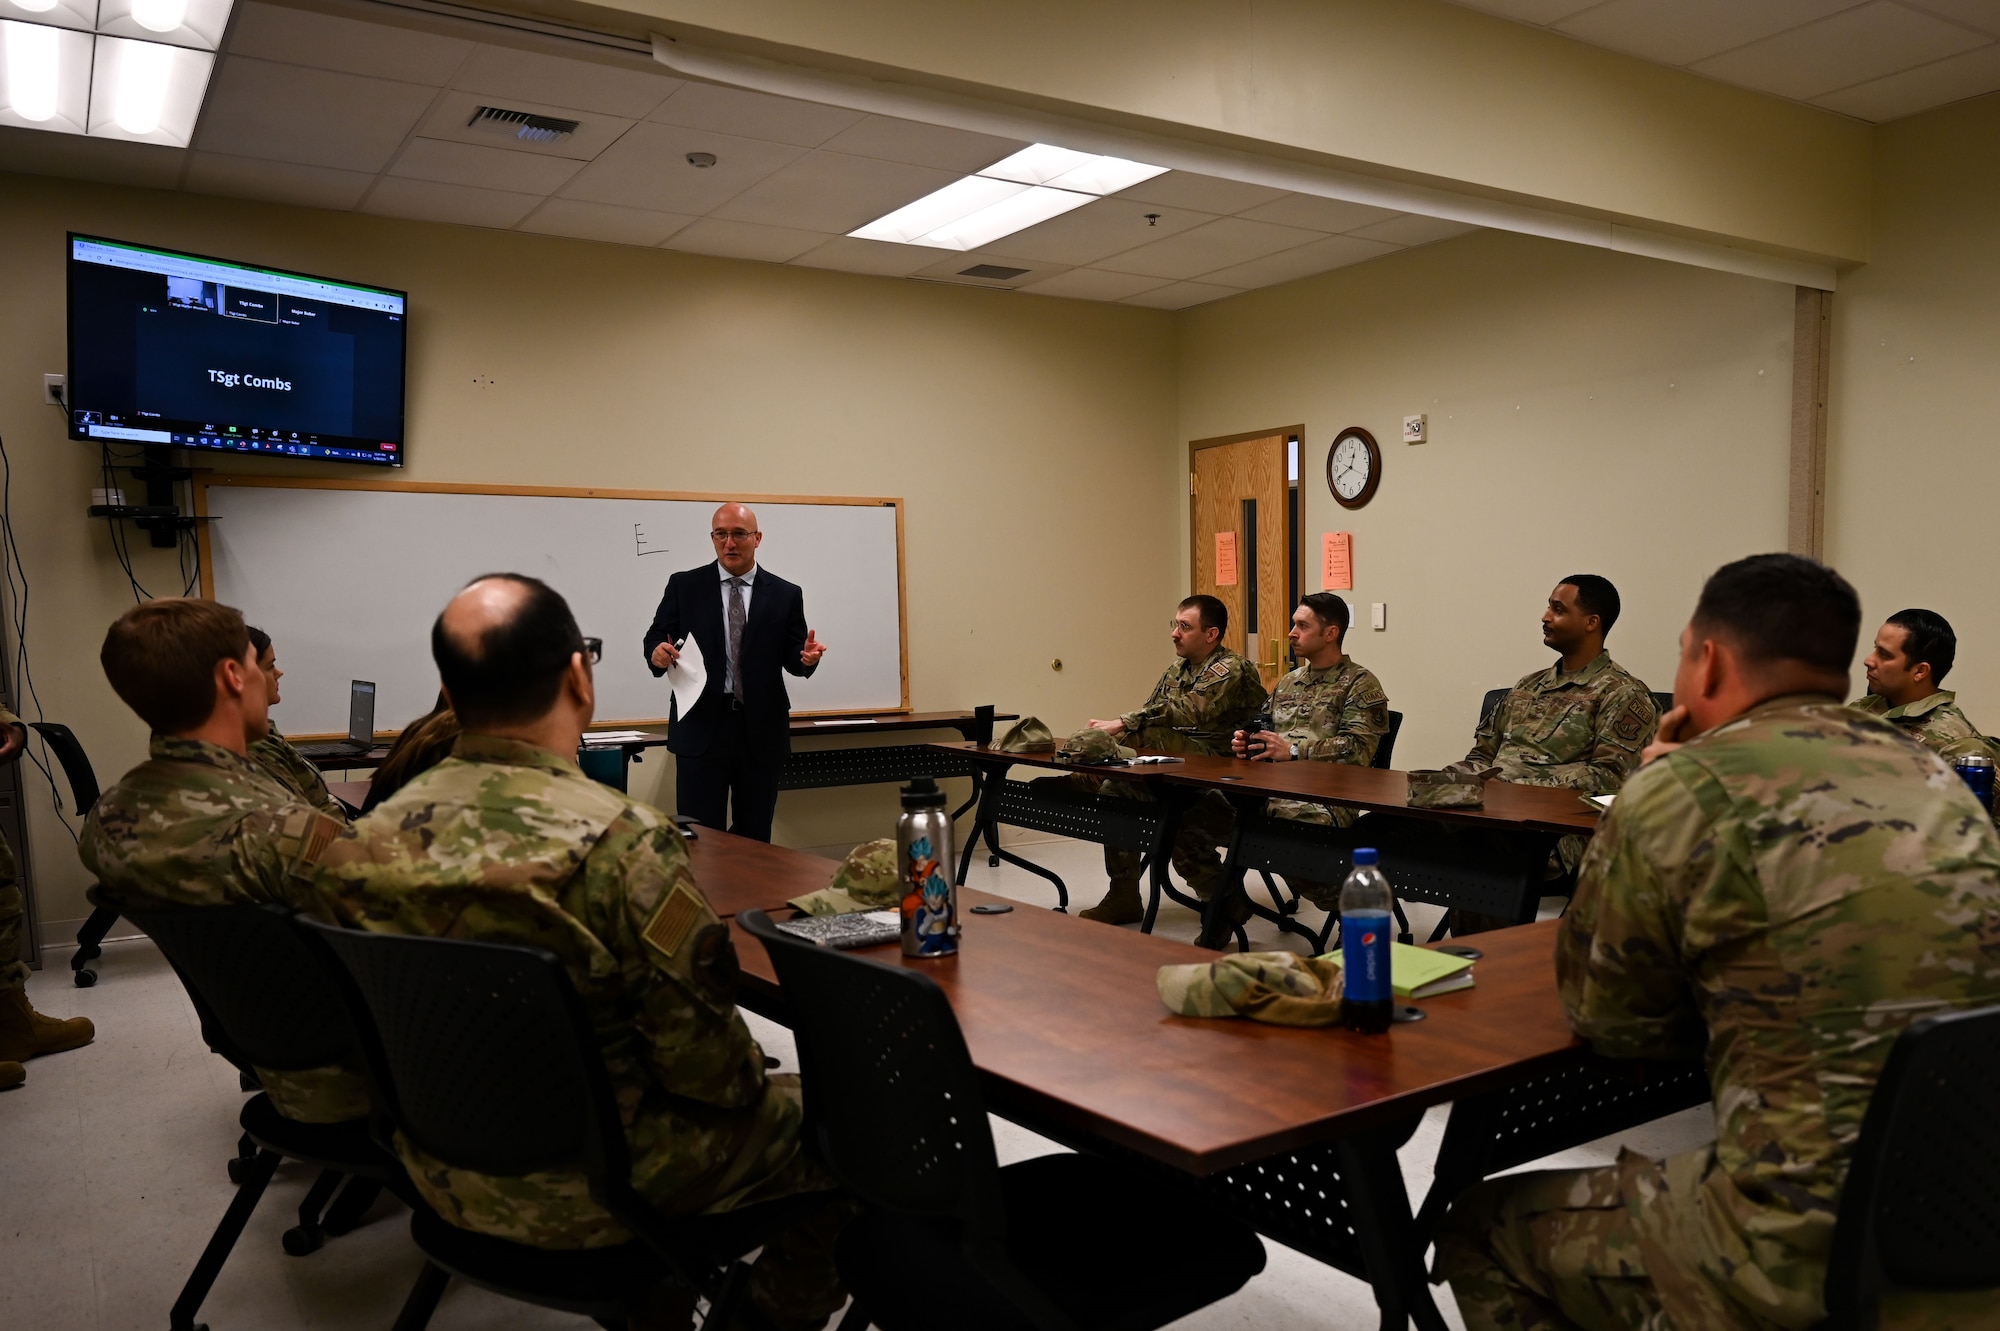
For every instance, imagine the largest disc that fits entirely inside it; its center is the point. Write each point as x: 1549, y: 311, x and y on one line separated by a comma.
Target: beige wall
x: 1912, y: 468
x: 1590, y: 412
x: 1031, y: 437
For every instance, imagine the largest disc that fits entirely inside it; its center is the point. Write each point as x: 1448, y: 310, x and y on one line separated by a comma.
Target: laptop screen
x: 361, y: 712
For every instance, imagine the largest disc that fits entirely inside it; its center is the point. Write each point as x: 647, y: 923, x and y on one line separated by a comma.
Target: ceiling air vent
x: 531, y: 128
x: 991, y: 271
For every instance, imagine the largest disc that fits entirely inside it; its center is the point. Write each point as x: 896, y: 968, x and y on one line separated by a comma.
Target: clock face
x: 1353, y: 467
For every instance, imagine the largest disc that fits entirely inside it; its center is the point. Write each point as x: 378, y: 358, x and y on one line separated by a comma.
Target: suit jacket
x: 774, y: 634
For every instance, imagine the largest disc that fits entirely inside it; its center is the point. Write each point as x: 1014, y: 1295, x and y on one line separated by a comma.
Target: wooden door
x: 1239, y: 492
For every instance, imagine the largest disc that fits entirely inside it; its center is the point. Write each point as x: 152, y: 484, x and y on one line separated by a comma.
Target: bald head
x: 734, y: 532
x: 504, y: 647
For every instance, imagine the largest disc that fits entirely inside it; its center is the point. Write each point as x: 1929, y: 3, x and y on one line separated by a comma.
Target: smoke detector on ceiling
x: 522, y: 124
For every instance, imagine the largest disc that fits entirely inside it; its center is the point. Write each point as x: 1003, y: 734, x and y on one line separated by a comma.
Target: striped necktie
x: 736, y: 637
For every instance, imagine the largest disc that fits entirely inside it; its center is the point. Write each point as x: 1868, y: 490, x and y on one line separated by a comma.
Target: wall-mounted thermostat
x: 1414, y: 431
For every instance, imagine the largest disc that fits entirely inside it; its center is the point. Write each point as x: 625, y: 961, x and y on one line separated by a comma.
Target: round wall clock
x: 1353, y: 467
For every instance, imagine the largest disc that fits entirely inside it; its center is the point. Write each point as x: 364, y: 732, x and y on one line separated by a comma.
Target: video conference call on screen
x: 168, y: 348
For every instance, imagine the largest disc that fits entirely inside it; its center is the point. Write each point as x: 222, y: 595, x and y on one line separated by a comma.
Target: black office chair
x: 1917, y: 1211
x: 484, y: 1058
x: 265, y: 999
x: 952, y: 1240
x: 1385, y: 751
x: 83, y: 793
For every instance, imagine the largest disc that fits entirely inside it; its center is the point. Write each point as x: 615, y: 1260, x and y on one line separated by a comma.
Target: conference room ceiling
x: 345, y: 114
x: 1874, y: 60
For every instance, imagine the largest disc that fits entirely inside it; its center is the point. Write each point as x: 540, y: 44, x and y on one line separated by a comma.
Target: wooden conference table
x: 1295, y: 1130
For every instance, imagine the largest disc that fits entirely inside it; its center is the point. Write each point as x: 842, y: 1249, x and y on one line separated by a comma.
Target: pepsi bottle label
x: 1364, y: 955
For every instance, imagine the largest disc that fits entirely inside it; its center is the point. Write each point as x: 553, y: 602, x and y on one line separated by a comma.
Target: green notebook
x: 1422, y: 972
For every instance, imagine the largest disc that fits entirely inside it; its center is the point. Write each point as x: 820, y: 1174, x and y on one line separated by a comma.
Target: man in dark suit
x: 751, y: 627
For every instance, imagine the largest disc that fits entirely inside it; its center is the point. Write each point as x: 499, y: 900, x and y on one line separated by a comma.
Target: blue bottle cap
x: 1364, y: 855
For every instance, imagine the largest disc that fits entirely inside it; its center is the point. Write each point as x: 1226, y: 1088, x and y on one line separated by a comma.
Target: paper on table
x: 602, y: 737
x: 689, y: 676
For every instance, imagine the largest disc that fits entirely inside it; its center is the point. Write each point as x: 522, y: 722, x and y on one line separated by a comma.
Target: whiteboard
x: 346, y: 577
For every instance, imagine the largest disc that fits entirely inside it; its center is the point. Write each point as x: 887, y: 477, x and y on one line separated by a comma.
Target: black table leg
x: 1391, y: 1243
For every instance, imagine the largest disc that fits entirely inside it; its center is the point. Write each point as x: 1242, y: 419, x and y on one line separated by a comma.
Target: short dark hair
x: 1782, y: 608
x: 1930, y: 640
x: 1214, y: 614
x: 1595, y: 596
x: 1329, y: 608
x: 160, y: 657
x: 514, y: 671
x: 258, y: 638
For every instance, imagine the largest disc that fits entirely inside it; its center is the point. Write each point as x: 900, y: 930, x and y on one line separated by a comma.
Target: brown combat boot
x: 26, y: 1033
x: 1121, y: 905
x: 12, y: 1075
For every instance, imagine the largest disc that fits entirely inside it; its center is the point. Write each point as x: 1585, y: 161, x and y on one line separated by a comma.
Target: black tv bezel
x: 70, y: 261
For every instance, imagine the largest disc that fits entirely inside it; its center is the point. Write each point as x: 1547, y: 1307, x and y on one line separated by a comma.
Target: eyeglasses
x: 594, y: 649
x: 734, y: 534
x: 1179, y: 626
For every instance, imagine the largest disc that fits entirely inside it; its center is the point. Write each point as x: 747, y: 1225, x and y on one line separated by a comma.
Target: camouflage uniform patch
x: 295, y: 772
x: 1781, y: 897
x: 196, y: 825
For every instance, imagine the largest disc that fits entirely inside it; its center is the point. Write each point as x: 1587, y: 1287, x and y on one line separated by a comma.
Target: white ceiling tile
x: 486, y: 168
x: 1413, y: 229
x: 276, y: 182
x: 832, y: 193
x: 1679, y: 32
x: 1318, y: 214
x: 746, y: 240
x: 753, y: 115
x: 603, y: 221
x: 322, y: 41
x: 648, y: 168
x: 1223, y: 243
x: 37, y: 152
x: 952, y: 268
x: 1528, y: 11
x: 1094, y: 284
x: 430, y: 201
x: 501, y: 71
x: 1952, y: 80
x: 908, y: 141
x: 867, y: 256
x: 259, y: 109
x: 1097, y: 230
x: 1289, y: 265
x: 1204, y: 194
x: 1179, y: 295
x: 1981, y: 14
x: 451, y: 115
x: 1859, y: 45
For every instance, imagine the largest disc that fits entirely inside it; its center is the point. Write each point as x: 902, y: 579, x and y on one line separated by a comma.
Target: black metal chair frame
x: 83, y: 789
x: 263, y: 998
x: 1285, y: 899
x: 568, y: 1088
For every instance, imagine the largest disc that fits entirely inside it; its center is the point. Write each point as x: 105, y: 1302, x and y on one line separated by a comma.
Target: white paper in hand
x: 689, y: 676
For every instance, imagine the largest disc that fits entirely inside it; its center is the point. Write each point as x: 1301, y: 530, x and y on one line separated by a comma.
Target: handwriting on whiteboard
x: 644, y: 547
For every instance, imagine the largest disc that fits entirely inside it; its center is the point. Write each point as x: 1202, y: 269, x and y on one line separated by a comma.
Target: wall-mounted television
x: 185, y: 351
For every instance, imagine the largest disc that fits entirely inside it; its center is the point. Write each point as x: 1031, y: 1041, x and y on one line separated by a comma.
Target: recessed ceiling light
x: 120, y: 69
x: 1039, y: 182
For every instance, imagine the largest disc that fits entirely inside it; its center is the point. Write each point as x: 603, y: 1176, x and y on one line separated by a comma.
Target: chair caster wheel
x: 85, y: 978
x: 992, y: 861
x: 239, y: 1167
x: 303, y: 1242
x: 1289, y: 908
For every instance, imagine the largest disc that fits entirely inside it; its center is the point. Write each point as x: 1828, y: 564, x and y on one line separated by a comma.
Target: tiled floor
x: 112, y: 1175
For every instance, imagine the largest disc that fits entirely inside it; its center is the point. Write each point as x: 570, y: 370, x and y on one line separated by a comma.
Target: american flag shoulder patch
x: 674, y: 919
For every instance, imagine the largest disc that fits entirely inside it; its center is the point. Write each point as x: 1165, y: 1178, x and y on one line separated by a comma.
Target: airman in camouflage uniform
x: 1201, y: 701
x: 24, y: 1032
x: 1913, y: 652
x: 1584, y: 729
x: 1936, y: 722
x: 1780, y: 896
x: 196, y: 825
x: 296, y: 773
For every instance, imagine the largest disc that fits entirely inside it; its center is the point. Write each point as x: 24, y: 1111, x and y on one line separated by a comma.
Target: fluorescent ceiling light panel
x: 1039, y: 182
x: 194, y: 23
x: 78, y: 14
x: 44, y: 77
x: 147, y: 92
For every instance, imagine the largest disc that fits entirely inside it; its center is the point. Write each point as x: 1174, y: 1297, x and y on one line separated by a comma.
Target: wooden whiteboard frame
x: 202, y: 485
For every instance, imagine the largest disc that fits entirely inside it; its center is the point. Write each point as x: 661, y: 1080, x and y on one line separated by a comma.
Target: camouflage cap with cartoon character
x: 1282, y: 988
x: 866, y: 880
x: 1092, y: 746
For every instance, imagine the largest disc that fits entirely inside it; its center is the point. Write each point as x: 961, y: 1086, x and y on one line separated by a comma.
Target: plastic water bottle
x: 923, y: 857
x: 1366, y: 913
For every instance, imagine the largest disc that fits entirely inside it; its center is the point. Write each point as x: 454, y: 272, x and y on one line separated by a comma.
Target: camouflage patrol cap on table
x: 1091, y: 745
x: 866, y: 880
x: 1449, y: 789
x: 1028, y: 735
x: 1282, y: 988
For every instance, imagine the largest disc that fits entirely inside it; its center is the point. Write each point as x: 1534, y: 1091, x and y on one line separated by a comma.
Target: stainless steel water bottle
x: 923, y: 855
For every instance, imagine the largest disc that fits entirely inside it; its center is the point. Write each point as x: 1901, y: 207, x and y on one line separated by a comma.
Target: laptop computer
x: 360, y: 725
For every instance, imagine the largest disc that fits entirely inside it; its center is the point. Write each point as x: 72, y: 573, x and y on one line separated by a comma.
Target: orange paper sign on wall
x: 1337, y: 563
x: 1225, y: 559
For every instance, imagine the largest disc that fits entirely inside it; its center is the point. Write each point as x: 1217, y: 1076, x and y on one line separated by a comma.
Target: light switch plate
x: 1378, y: 614
x: 1415, y: 429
